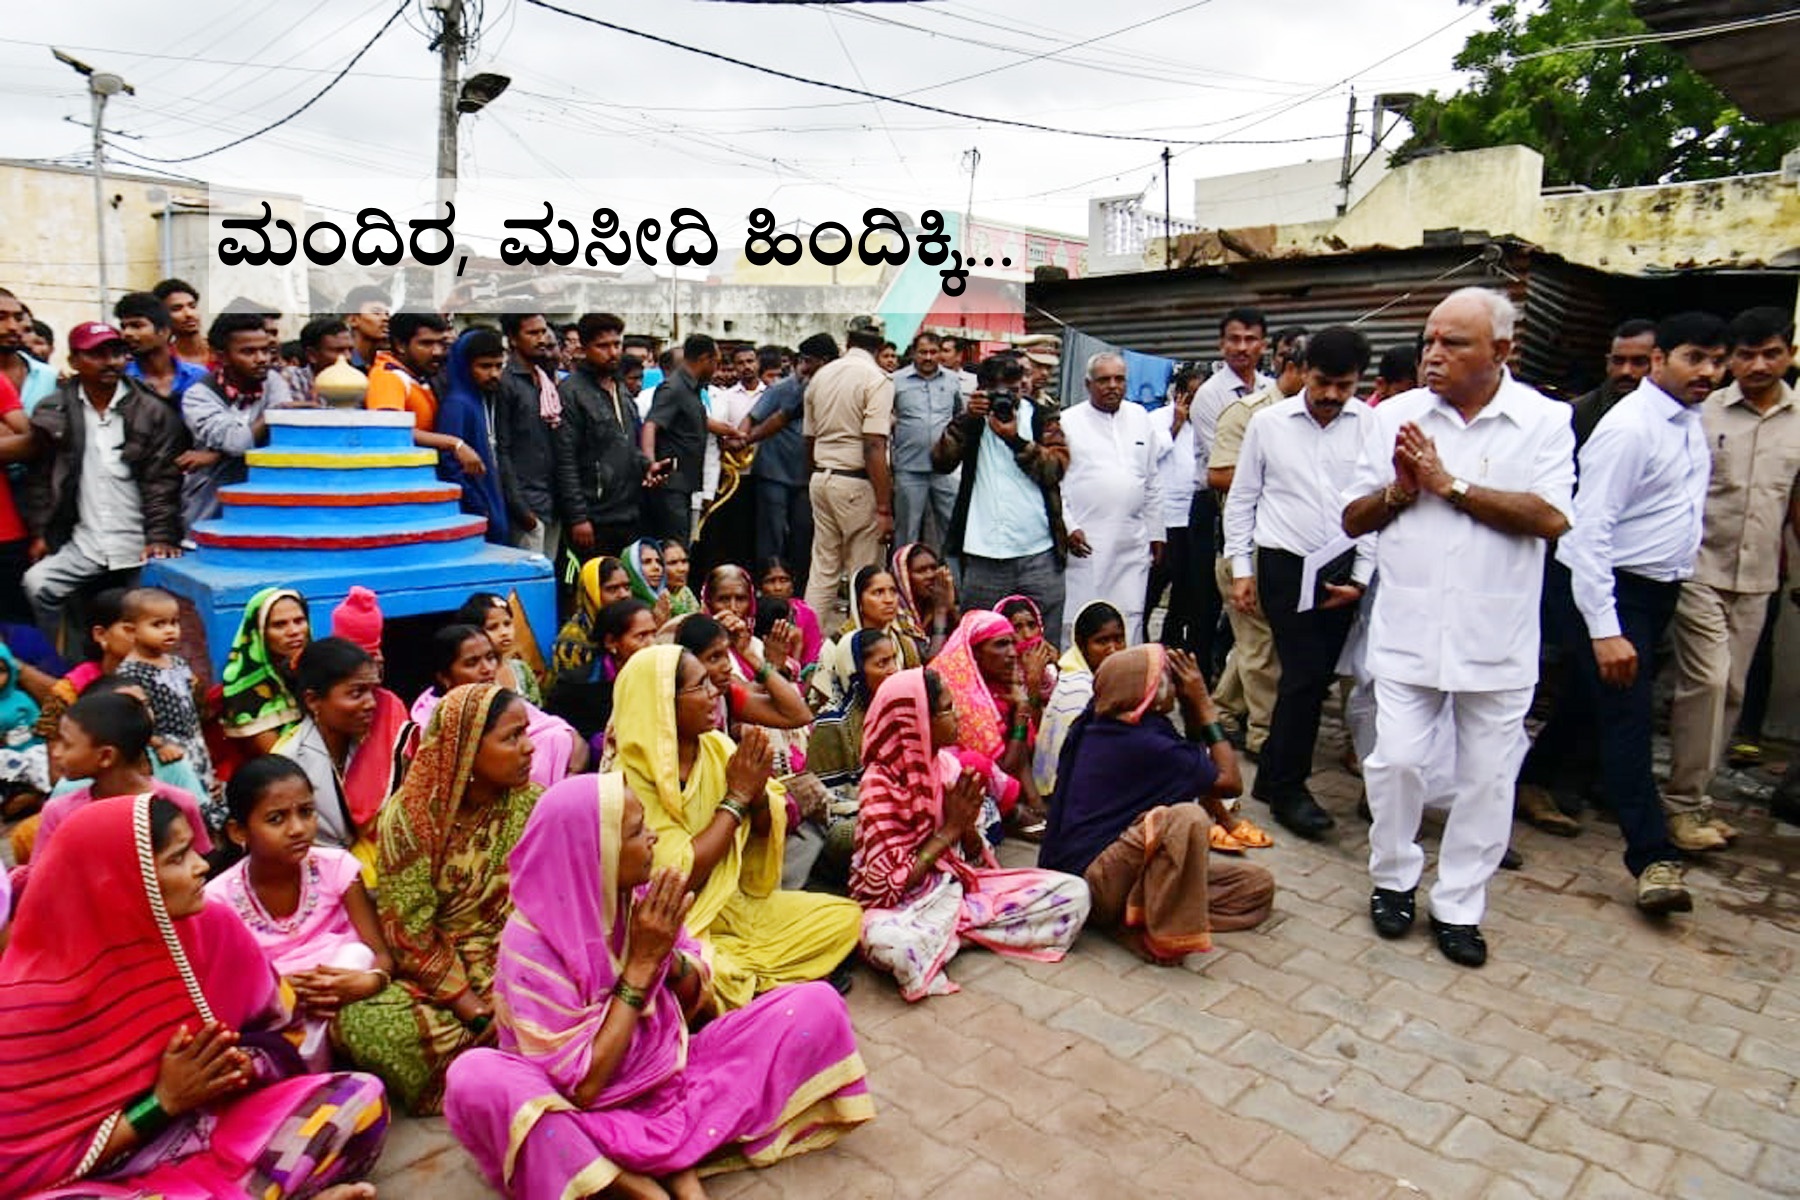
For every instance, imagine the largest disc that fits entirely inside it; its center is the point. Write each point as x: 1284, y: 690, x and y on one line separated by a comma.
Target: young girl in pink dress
x: 305, y: 904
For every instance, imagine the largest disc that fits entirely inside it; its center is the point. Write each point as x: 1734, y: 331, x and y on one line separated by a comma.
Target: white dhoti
x: 1474, y: 760
x: 1112, y: 494
x: 1118, y: 572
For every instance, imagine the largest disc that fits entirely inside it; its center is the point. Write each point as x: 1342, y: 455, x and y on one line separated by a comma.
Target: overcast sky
x: 658, y: 126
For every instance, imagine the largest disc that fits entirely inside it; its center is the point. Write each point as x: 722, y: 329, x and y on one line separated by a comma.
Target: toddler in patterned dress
x: 154, y: 621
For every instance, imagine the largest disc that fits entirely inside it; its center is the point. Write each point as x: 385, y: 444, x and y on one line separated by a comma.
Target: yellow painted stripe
x: 328, y: 460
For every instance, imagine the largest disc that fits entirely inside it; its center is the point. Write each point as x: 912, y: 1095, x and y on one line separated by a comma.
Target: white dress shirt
x: 109, y: 510
x: 1456, y: 602
x: 1288, y: 491
x: 1176, y: 470
x: 1209, y: 402
x: 1641, y: 504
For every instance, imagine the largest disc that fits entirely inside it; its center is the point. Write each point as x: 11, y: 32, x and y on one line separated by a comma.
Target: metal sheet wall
x: 1176, y: 314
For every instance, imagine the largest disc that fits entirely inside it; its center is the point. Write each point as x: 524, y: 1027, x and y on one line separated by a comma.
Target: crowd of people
x: 838, y: 626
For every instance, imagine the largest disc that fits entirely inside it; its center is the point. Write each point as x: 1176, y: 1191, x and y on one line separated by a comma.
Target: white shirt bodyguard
x: 1457, y: 605
x: 1642, y: 502
x: 1211, y: 400
x: 1291, y: 477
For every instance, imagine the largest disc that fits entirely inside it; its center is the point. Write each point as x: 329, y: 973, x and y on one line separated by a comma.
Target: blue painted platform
x: 340, y: 497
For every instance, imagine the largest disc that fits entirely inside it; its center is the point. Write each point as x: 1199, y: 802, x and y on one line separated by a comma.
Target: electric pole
x: 450, y: 52
x: 1349, y: 151
x: 102, y: 86
x: 1168, y: 205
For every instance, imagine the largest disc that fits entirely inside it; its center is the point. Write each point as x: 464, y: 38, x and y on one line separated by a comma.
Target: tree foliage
x: 1615, y: 117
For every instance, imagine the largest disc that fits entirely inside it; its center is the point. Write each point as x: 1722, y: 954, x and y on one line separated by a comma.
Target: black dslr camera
x: 1000, y: 375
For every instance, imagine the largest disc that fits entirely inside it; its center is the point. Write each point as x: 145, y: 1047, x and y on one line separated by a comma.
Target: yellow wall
x: 47, y: 247
x: 1747, y: 220
x: 47, y: 240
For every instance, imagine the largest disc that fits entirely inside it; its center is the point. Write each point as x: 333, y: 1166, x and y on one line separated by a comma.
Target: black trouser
x: 784, y: 527
x: 1308, y: 645
x: 1564, y: 756
x: 1203, y: 634
x: 668, y: 514
x: 14, y: 560
x: 1176, y: 573
x: 1645, y: 608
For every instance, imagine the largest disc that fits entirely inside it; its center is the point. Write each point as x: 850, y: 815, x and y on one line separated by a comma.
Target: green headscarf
x: 633, y: 558
x: 258, y: 695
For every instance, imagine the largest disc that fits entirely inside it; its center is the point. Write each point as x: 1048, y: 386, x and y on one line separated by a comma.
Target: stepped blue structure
x: 339, y: 497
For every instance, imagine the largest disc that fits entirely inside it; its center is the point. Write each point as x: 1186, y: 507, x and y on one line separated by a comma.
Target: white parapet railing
x: 1121, y: 228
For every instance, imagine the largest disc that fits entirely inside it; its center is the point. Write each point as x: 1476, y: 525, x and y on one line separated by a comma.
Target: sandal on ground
x: 1248, y: 833
x: 1219, y: 838
x: 1028, y: 826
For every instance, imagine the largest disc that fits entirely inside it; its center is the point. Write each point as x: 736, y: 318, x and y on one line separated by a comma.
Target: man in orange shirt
x: 400, y: 381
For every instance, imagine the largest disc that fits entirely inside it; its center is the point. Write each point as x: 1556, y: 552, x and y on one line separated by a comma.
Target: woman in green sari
x: 258, y: 683
x: 445, y: 894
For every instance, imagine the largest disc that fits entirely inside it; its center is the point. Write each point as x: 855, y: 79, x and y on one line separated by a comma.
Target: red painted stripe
x: 340, y: 499
x: 474, y: 527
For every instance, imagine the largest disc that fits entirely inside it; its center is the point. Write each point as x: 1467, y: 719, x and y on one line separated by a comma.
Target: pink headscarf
x: 1036, y: 612
x: 979, y: 725
x: 564, y: 948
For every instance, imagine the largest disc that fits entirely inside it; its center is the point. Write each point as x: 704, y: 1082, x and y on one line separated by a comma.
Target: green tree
x: 1617, y: 117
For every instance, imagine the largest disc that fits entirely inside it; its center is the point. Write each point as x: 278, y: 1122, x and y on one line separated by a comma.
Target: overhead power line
x: 316, y: 97
x: 930, y: 108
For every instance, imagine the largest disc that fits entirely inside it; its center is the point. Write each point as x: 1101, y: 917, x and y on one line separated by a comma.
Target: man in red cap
x: 102, y: 493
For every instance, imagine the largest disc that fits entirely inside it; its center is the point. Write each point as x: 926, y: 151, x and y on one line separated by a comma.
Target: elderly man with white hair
x: 1112, y: 497
x: 1467, y: 479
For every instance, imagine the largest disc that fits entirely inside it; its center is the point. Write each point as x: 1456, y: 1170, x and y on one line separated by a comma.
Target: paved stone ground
x: 1598, y: 1054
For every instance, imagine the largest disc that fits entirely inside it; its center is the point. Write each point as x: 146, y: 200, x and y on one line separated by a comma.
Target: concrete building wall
x: 1287, y: 195
x: 1744, y: 219
x: 1496, y: 190
x: 47, y: 243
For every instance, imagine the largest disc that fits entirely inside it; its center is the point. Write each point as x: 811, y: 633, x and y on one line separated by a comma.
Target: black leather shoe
x: 1301, y: 815
x: 1461, y: 944
x: 1512, y: 860
x: 1392, y: 912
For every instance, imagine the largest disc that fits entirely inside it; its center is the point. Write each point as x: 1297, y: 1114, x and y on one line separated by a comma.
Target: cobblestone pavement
x: 1598, y: 1054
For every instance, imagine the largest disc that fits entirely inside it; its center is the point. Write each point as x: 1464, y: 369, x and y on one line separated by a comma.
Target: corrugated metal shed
x: 1568, y: 310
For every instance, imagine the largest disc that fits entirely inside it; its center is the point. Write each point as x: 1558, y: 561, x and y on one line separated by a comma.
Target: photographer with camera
x: 1007, y: 525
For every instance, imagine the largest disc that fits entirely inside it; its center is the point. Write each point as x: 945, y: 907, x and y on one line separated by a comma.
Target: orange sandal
x: 1246, y: 833
x: 1220, y: 839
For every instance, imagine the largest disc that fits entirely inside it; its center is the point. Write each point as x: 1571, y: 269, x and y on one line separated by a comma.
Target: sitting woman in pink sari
x: 462, y: 654
x: 129, y: 1065
x: 921, y: 868
x: 598, y: 1087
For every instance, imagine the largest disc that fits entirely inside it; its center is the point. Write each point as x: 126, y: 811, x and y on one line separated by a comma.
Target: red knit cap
x: 358, y: 619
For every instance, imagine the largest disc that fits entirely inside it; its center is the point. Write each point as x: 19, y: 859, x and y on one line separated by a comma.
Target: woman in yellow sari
x: 722, y: 821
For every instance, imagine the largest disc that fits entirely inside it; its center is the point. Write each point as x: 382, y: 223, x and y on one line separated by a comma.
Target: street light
x: 479, y: 90
x: 102, y: 86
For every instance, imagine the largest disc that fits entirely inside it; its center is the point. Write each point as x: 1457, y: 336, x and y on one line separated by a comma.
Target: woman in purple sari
x: 598, y: 1087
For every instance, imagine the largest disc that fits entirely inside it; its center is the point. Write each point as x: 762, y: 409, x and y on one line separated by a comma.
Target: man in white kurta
x: 1112, y: 497
x: 1467, y: 479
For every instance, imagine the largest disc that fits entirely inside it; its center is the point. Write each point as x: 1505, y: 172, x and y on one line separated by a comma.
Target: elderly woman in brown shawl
x: 1133, y: 805
x: 445, y: 893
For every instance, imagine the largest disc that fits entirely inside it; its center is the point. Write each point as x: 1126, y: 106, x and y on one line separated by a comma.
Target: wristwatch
x: 1459, y: 493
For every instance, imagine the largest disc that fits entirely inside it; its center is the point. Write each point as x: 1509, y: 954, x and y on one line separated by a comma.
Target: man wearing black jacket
x: 540, y: 487
x: 601, y: 445
x: 103, y: 493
